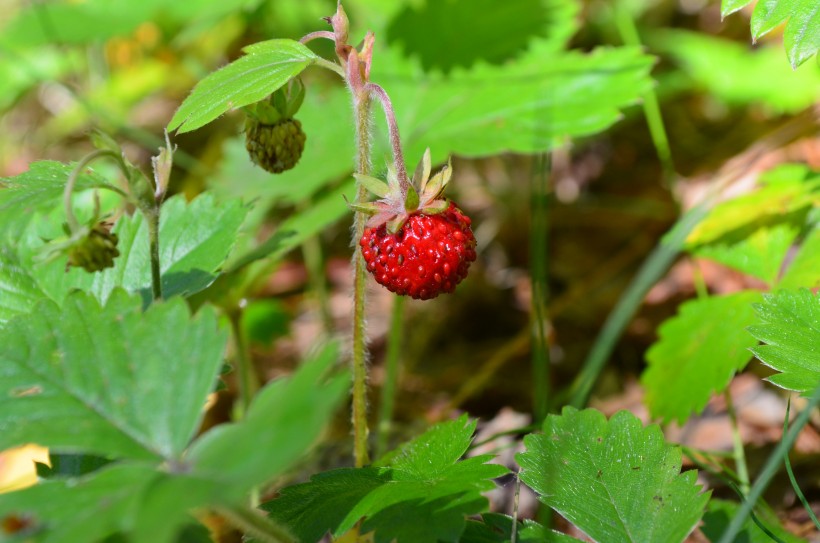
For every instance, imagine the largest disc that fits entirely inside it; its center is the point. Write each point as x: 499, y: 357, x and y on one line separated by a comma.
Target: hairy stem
x: 71, y: 219
x: 361, y: 106
x: 393, y: 128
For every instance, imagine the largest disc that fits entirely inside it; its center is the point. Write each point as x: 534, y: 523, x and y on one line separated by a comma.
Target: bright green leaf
x: 759, y: 253
x: 283, y: 421
x: 267, y: 66
x: 719, y: 514
x: 804, y: 270
x: 18, y: 290
x: 731, y: 71
x: 789, y: 327
x: 697, y: 354
x: 802, y: 34
x: 523, y: 106
x: 615, y: 480
x: 423, y: 479
x: 107, y: 380
x: 40, y: 189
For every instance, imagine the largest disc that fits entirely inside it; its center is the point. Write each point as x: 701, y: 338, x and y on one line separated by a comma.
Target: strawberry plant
x: 188, y: 379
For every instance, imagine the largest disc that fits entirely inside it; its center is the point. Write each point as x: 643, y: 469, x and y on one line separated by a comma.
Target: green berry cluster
x: 275, y: 147
x: 96, y: 251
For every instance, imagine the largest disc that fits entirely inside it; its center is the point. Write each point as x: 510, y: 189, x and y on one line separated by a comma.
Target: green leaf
x: 285, y: 418
x: 804, y: 270
x: 720, y: 512
x: 802, y: 34
x: 615, y: 480
x: 266, y: 66
x: 732, y: 71
x: 88, y: 509
x: 18, y: 290
x: 497, y: 528
x: 107, y: 380
x: 446, y: 35
x: 524, y: 106
x: 697, y: 354
x: 759, y: 253
x: 195, y: 240
x: 423, y: 479
x: 38, y: 190
x: 789, y: 327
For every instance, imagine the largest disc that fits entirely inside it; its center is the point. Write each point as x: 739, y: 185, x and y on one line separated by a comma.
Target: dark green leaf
x: 615, y: 480
x: 789, y: 327
x: 283, y: 421
x: 423, y: 479
x: 267, y: 66
x: 497, y: 528
x: 107, y: 380
x: 698, y: 353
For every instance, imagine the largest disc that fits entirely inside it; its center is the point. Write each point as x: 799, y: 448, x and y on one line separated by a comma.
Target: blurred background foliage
x: 452, y: 67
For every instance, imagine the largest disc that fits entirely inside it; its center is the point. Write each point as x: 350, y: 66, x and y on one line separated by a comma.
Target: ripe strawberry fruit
x: 430, y: 254
x: 416, y: 243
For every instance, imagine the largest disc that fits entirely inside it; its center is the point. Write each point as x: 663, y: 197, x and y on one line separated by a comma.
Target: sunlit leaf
x: 423, y: 479
x: 789, y: 327
x: 719, y: 514
x: 79, y: 378
x: 698, y: 353
x: 266, y: 66
x: 731, y: 72
x: 615, y: 480
x: 804, y: 269
x: 802, y: 17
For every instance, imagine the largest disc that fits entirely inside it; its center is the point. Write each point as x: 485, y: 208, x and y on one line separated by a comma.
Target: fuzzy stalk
x: 391, y: 375
x: 71, y: 219
x: 152, y: 216
x: 393, y: 129
x: 361, y: 106
x: 738, y: 451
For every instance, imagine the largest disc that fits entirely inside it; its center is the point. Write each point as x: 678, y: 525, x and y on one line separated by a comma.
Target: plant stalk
x: 71, y: 219
x: 739, y: 453
x: 769, y: 469
x: 391, y: 377
x: 361, y: 106
x: 538, y: 276
x: 152, y: 216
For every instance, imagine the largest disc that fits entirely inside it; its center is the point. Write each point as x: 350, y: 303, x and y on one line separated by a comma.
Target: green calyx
x: 396, y: 203
x: 283, y: 104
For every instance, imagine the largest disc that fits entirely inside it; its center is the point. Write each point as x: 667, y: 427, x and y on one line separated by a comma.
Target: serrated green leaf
x: 730, y: 71
x: 804, y: 270
x: 283, y: 421
x: 38, y: 190
x: 423, y: 479
x: 18, y: 290
x: 447, y: 35
x: 524, y: 106
x: 802, y: 17
x: 720, y: 512
x: 697, y: 354
x: 195, y: 240
x: 267, y: 66
x: 88, y: 509
x: 759, y: 253
x: 79, y: 378
x: 789, y: 327
x: 615, y: 480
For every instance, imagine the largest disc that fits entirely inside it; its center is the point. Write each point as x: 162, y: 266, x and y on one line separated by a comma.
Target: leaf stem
x: 152, y: 216
x: 391, y: 377
x: 539, y: 191
x: 332, y: 66
x: 739, y: 453
x: 246, y: 378
x: 253, y: 523
x: 71, y: 219
x: 792, y: 479
x: 769, y: 469
x: 361, y: 106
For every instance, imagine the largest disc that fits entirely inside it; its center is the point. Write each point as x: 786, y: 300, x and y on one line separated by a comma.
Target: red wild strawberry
x: 416, y: 243
x: 430, y: 254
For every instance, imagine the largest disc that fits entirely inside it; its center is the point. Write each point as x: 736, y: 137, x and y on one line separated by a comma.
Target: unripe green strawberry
x: 275, y: 147
x: 95, y: 251
x: 428, y: 255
